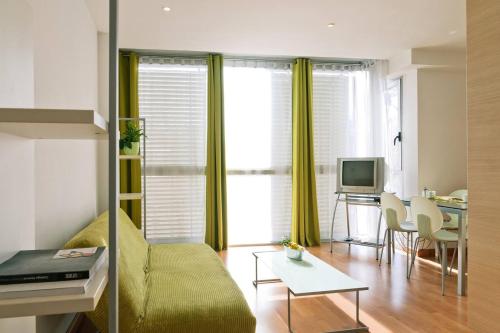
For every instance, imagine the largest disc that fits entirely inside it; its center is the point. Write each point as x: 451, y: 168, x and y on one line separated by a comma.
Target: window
x: 349, y: 119
x: 173, y: 99
x: 258, y: 123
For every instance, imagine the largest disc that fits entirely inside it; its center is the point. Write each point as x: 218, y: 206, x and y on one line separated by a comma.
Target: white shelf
x: 40, y: 306
x: 130, y: 196
x: 130, y: 157
x: 53, y: 123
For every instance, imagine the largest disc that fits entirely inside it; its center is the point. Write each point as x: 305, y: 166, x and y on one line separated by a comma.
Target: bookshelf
x: 48, y: 305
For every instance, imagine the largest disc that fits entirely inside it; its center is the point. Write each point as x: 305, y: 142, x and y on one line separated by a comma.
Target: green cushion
x: 132, y: 266
x: 190, y: 290
x: 167, y: 288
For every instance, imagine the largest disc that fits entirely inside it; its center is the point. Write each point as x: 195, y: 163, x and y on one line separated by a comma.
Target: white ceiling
x: 363, y: 28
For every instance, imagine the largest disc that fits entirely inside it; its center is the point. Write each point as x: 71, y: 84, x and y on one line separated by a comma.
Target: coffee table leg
x: 289, y: 314
x: 357, y: 306
x: 256, y: 282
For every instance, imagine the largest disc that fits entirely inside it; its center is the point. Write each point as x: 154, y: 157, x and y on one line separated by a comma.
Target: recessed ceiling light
x: 452, y: 32
x: 166, y: 9
x: 331, y: 25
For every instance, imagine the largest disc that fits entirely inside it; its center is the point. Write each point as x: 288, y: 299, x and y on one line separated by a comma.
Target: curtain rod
x: 203, y: 55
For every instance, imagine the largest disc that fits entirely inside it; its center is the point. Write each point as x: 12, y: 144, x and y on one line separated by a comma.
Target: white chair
x: 395, y: 215
x: 453, y: 223
x: 430, y: 223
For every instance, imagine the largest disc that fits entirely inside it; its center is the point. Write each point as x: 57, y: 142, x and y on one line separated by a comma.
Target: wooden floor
x: 392, y: 304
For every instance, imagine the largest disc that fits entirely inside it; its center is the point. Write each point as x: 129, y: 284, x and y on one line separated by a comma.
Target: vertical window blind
x: 258, y: 122
x: 173, y: 99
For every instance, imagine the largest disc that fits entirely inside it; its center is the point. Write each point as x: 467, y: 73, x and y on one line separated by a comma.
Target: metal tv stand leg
x: 349, y: 238
x: 333, y: 221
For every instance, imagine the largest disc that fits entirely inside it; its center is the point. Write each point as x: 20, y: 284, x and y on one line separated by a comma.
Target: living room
x: 331, y: 148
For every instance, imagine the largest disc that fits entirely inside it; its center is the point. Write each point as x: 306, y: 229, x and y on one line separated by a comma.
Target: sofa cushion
x: 132, y: 268
x: 190, y: 290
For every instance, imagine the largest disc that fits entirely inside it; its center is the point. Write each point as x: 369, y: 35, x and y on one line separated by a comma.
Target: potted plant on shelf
x: 292, y: 250
x: 129, y: 141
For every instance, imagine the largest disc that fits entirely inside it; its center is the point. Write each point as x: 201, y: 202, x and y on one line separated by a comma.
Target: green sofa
x: 169, y: 287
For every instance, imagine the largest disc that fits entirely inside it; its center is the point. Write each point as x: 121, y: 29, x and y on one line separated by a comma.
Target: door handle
x: 398, y: 137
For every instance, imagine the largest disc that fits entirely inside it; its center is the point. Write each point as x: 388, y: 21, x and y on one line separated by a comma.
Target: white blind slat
x: 172, y: 98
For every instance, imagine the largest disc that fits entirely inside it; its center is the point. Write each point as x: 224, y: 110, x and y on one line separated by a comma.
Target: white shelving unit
x: 53, y: 123
x: 141, y: 157
x: 48, y: 305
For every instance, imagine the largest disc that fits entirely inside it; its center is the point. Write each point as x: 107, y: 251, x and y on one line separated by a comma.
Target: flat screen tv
x: 360, y: 175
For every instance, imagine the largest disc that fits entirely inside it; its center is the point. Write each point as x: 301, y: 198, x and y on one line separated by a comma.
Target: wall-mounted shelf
x: 53, y: 123
x: 40, y: 306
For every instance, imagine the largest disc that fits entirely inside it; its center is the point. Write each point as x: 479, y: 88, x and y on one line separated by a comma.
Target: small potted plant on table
x: 129, y: 141
x: 292, y: 250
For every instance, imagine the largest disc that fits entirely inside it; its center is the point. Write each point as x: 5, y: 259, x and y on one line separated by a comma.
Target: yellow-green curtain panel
x: 305, y: 222
x: 130, y: 170
x: 216, y: 204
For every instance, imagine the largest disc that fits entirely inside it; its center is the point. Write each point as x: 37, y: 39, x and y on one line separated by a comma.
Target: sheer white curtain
x: 258, y: 119
x: 349, y: 121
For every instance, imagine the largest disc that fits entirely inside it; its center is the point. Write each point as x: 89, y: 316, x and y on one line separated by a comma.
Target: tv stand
x: 356, y: 199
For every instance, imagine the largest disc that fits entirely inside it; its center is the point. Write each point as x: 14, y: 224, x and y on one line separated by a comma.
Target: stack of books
x: 38, y: 273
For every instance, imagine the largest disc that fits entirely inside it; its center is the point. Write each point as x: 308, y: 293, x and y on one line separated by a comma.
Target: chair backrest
x: 391, y: 203
x: 428, y: 216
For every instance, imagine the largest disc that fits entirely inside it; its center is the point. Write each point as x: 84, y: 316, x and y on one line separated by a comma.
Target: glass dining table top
x: 460, y: 205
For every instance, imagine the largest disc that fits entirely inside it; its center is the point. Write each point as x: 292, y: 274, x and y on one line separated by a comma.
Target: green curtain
x: 305, y: 224
x: 216, y: 204
x: 130, y: 171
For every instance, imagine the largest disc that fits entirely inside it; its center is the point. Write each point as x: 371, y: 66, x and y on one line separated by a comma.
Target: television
x: 360, y: 175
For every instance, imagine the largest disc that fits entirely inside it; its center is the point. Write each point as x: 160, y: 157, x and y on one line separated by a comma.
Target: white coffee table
x: 311, y: 276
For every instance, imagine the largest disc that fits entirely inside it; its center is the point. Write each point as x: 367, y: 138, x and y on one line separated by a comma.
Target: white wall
x: 48, y: 58
x: 102, y: 145
x: 17, y: 196
x: 65, y: 63
x: 442, y: 147
x: 65, y: 58
x: 434, y: 119
x: 410, y: 133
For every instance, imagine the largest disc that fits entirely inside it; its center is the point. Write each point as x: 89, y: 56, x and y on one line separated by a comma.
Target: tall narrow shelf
x: 142, y: 159
x: 53, y: 123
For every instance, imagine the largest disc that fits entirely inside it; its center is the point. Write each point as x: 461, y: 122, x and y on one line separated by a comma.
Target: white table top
x: 309, y: 276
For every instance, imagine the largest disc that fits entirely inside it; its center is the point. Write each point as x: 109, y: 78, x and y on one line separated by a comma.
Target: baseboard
x: 429, y: 253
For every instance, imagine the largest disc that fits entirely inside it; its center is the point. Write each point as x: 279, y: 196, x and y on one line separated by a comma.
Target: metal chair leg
x: 443, y: 266
x: 393, y: 241
x: 452, y: 260
x: 383, y: 247
x: 414, y: 254
x: 407, y: 252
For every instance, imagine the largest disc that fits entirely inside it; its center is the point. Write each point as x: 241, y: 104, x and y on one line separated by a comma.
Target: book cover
x: 43, y: 266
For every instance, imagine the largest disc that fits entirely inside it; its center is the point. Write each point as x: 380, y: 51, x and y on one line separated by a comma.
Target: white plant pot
x: 293, y: 254
x: 134, y: 150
